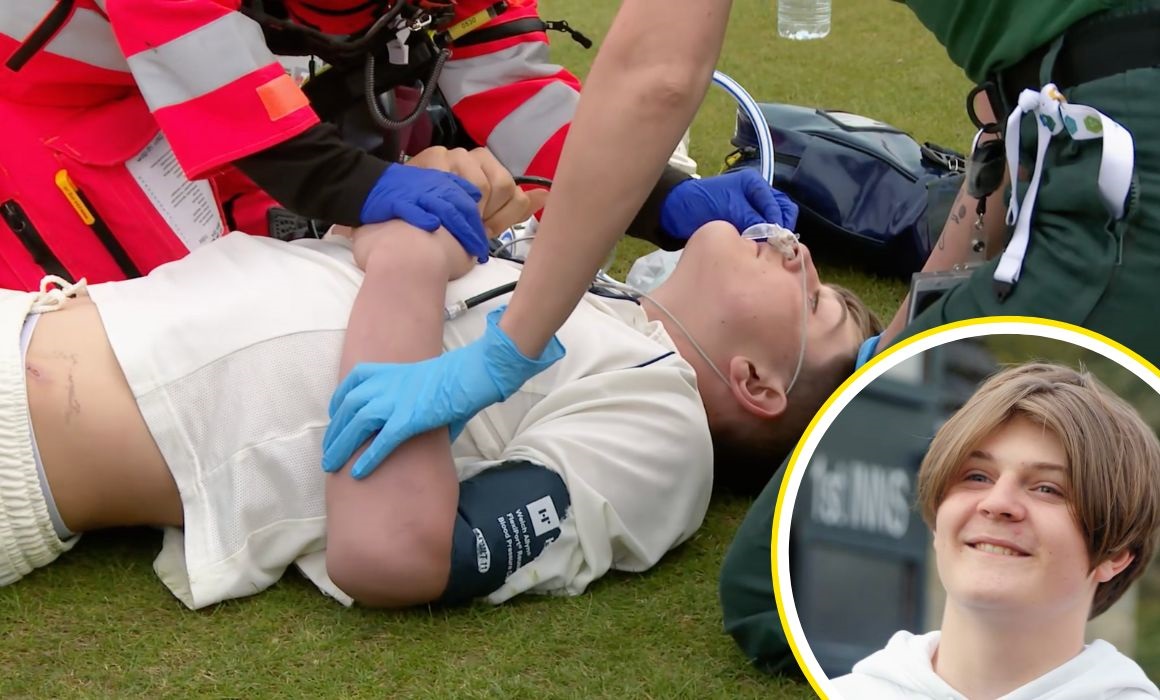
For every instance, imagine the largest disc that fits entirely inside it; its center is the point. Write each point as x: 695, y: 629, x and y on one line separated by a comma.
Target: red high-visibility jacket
x: 118, y: 135
x: 508, y: 96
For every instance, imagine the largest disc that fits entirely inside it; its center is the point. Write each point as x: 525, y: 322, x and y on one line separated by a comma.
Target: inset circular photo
x: 976, y: 515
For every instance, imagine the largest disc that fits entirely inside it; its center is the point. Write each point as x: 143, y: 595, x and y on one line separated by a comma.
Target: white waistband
x: 58, y: 525
x: 27, y: 537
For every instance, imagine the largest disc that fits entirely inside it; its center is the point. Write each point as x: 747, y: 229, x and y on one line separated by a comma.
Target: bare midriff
x: 101, y: 462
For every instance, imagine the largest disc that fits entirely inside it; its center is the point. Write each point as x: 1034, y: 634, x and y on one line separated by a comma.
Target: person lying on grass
x: 196, y: 399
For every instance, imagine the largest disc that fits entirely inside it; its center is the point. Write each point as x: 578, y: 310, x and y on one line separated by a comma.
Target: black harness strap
x: 1096, y: 47
x: 517, y: 27
x: 40, y: 36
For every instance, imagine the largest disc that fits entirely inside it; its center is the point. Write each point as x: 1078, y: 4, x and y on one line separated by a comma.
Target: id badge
x: 927, y: 287
x: 188, y: 206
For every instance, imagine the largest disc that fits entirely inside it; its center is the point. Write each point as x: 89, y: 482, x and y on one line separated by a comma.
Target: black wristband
x: 316, y: 174
x: 647, y: 224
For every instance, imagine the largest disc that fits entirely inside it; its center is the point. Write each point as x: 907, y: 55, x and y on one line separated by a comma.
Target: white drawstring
x: 52, y: 299
x: 1054, y: 114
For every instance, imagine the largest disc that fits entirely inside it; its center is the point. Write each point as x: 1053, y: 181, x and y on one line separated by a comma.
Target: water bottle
x: 803, y: 19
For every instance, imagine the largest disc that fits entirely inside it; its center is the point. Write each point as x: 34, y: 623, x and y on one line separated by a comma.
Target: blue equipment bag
x: 864, y: 187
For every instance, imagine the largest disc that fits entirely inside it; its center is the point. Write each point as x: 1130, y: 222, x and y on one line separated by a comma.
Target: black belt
x: 516, y: 27
x: 1096, y: 47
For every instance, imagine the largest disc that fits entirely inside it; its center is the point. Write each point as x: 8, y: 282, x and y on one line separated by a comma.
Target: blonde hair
x: 1113, y: 459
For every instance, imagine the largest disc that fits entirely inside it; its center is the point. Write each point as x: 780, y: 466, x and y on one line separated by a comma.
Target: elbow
x: 411, y: 569
x: 681, y: 90
x: 657, y: 80
x: 665, y: 89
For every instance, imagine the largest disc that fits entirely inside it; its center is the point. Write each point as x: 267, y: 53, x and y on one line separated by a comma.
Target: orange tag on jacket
x: 282, y: 96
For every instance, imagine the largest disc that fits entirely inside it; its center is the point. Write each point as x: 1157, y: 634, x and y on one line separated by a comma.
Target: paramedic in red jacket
x: 136, y: 129
x: 127, y: 131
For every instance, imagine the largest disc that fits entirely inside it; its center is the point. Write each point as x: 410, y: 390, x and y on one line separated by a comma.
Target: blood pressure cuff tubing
x: 507, y: 515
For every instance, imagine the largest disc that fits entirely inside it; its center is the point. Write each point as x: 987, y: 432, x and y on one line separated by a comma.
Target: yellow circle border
x: 879, y: 364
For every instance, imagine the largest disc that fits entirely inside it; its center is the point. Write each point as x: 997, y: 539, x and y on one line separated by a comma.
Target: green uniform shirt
x: 983, y: 36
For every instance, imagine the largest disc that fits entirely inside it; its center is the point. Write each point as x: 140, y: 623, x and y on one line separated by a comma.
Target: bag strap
x: 521, y: 26
x: 40, y: 36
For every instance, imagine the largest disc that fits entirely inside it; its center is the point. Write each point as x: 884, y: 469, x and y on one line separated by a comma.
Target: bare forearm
x: 389, y: 535
x: 956, y: 243
x: 394, y: 317
x: 644, y: 88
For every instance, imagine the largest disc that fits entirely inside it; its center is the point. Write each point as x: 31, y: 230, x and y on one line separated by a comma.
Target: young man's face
x: 757, y: 292
x: 1005, y: 540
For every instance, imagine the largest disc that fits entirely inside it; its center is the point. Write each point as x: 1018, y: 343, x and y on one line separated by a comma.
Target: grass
x: 99, y: 624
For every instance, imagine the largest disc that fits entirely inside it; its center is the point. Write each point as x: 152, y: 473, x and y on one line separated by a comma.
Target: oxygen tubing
x: 756, y: 117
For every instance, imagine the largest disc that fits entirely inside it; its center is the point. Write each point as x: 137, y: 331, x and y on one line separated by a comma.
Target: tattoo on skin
x: 74, y: 404
x: 958, y: 211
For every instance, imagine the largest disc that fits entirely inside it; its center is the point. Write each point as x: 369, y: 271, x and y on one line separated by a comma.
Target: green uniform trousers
x: 746, y: 587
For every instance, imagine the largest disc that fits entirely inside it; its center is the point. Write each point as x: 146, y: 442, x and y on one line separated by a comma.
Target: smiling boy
x: 1043, y: 494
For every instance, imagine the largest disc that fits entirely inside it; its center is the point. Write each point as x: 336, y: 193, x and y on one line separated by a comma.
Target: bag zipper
x: 13, y: 215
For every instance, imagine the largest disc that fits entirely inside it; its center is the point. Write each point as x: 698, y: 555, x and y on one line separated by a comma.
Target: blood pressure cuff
x: 507, y: 515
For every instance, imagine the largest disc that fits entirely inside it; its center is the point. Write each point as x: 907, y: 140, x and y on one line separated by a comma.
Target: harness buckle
x: 420, y: 22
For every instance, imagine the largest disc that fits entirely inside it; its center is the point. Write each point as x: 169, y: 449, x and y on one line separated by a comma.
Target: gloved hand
x: 867, y: 350
x: 428, y: 199
x: 399, y: 401
x: 742, y: 197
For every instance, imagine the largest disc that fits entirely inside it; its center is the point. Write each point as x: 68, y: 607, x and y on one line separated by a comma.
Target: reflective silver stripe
x: 521, y: 134
x: 85, y: 37
x: 201, y: 61
x: 88, y: 37
x: 18, y: 19
x: 464, y: 77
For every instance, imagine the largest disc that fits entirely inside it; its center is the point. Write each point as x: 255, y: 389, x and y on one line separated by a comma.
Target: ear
x: 1110, y: 568
x: 758, y: 392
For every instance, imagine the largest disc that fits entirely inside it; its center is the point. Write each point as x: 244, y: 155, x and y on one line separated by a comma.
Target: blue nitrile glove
x: 867, y: 350
x: 429, y: 198
x: 742, y: 197
x: 399, y: 401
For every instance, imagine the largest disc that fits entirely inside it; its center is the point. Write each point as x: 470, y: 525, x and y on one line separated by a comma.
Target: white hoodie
x: 903, y: 670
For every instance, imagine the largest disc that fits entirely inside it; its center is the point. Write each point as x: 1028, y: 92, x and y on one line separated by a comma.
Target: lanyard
x: 1055, y: 115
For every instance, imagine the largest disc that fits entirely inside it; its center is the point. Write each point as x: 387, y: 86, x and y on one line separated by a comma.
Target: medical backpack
x: 867, y: 190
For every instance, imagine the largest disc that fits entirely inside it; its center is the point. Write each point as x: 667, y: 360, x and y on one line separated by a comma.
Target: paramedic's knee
x: 507, y: 515
x: 748, y: 605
